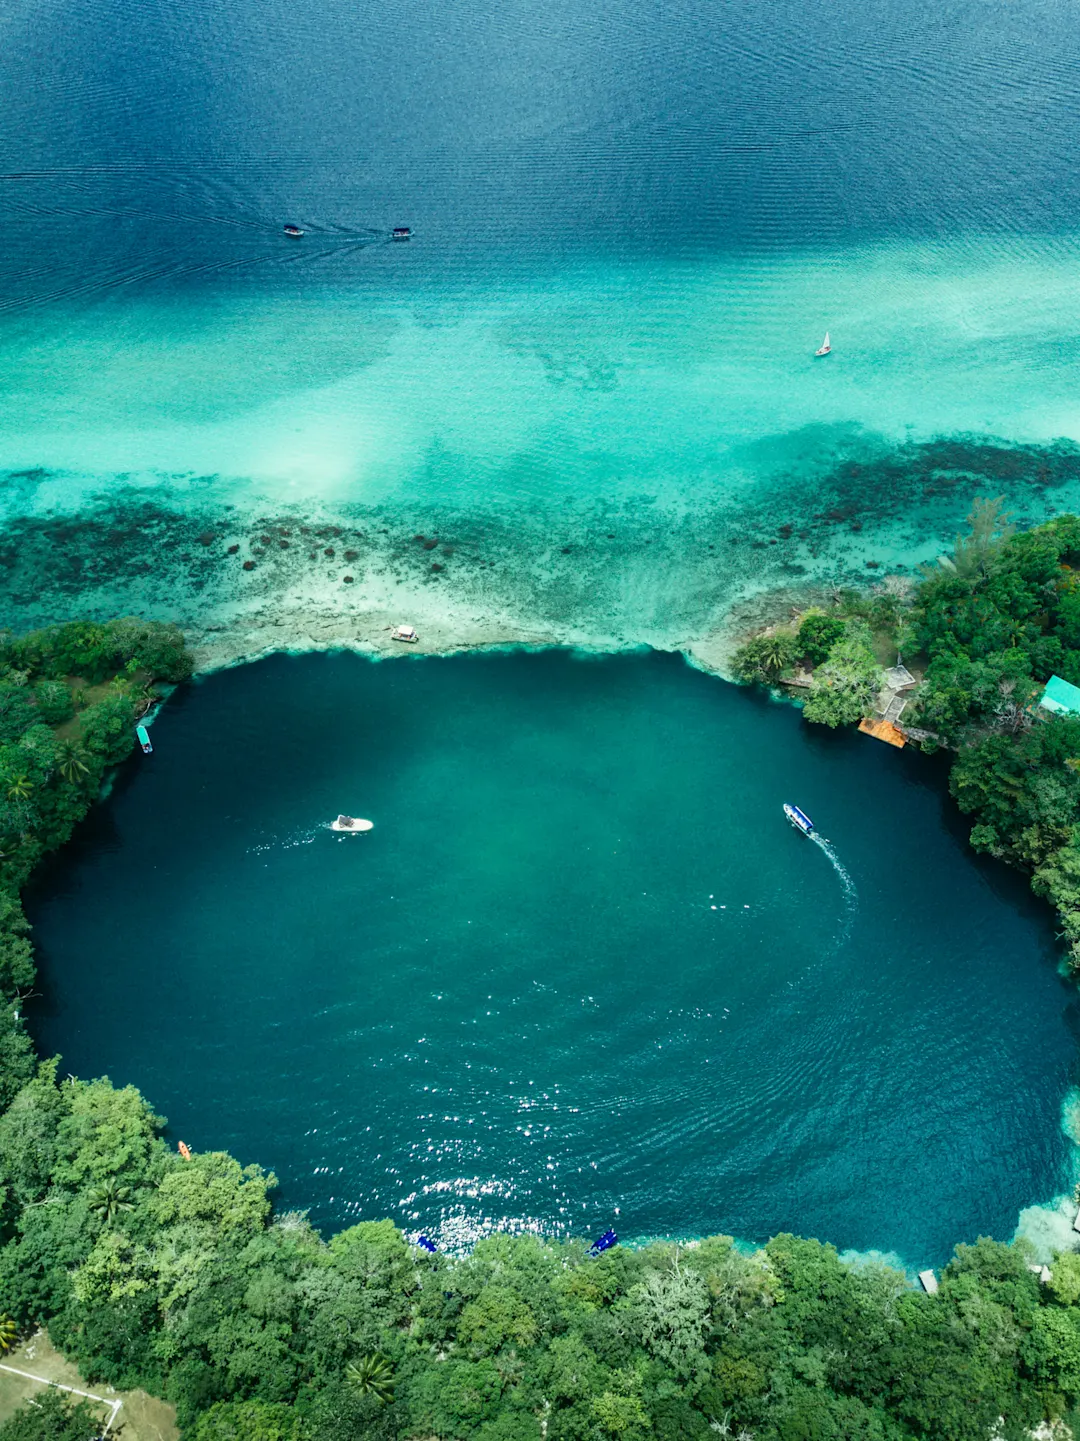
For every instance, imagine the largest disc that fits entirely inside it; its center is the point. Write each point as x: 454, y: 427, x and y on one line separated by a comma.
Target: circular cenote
x: 581, y: 972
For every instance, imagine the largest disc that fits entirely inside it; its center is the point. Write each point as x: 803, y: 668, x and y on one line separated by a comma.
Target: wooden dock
x: 929, y: 1282
x: 883, y: 730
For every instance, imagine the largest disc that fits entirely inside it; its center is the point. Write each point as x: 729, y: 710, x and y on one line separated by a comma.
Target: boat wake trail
x: 286, y: 843
x: 851, y: 893
x: 815, y: 969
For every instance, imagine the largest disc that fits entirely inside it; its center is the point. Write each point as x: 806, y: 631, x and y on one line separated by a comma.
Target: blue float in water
x: 603, y: 1243
x: 426, y: 1244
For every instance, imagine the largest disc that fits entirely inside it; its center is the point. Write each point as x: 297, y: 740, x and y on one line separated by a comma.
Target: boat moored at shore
x: 142, y: 735
x: 799, y: 819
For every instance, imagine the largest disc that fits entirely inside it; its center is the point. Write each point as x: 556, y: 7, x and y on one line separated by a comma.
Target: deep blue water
x: 680, y: 127
x: 581, y: 972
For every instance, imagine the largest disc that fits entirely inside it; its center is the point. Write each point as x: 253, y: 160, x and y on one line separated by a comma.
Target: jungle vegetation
x: 988, y: 625
x: 151, y: 1269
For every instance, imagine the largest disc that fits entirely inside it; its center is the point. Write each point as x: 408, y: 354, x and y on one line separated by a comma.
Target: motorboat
x: 142, y: 735
x: 293, y: 231
x: 799, y: 819
x: 825, y: 346
x: 401, y: 232
x: 351, y: 823
x: 407, y: 633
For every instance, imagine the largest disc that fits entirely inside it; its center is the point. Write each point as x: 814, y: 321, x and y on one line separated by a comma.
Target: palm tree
x: 8, y: 1333
x: 373, y: 1376
x: 19, y: 788
x: 108, y: 1200
x: 71, y: 761
x: 774, y: 653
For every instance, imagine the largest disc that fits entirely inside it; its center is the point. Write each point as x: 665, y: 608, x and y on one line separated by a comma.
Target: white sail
x: 825, y: 342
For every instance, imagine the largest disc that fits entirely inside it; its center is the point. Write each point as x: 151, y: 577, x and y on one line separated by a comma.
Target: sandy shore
x: 367, y: 633
x: 448, y: 630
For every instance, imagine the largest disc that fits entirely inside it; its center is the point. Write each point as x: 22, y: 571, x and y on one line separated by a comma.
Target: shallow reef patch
x: 255, y: 575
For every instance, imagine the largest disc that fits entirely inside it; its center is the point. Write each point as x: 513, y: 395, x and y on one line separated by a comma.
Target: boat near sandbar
x: 799, y: 819
x: 351, y: 823
x: 407, y: 633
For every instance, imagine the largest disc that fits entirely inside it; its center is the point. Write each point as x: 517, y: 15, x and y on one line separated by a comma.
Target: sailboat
x: 825, y: 346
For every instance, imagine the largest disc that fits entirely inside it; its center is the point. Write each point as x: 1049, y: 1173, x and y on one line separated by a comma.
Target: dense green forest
x: 177, y: 1275
x: 69, y: 698
x: 989, y: 625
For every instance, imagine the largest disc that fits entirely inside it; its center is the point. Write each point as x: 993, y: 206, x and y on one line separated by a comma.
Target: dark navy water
x: 581, y: 972
x: 138, y: 137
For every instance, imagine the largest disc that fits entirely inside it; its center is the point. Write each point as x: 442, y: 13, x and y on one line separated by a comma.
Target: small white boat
x: 350, y: 823
x: 406, y: 633
x: 826, y: 346
x: 799, y: 820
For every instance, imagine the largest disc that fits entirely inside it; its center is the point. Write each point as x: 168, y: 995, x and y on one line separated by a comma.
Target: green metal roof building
x: 1060, y: 698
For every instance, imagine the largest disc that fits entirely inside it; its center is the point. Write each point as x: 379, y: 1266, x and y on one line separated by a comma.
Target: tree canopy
x: 175, y: 1273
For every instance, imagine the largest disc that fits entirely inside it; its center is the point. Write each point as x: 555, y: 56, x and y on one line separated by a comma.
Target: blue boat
x: 426, y: 1244
x: 798, y: 819
x: 603, y: 1243
x: 142, y: 735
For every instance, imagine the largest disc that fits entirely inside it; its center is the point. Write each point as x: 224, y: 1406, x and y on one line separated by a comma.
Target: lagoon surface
x: 581, y: 973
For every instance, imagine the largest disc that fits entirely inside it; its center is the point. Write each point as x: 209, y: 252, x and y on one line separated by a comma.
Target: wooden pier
x: 929, y: 1282
x: 883, y: 730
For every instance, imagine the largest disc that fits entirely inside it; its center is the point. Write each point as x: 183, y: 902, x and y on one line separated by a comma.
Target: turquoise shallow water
x: 581, y: 971
x: 615, y: 450
x: 630, y: 232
